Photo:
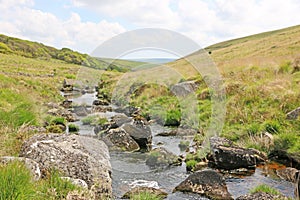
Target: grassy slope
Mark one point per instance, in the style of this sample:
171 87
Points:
260 86
15 46
26 85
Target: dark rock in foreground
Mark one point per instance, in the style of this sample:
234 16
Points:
261 196
227 156
207 183
76 156
139 190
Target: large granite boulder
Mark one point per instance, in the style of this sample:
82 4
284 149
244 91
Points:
75 156
226 155
140 133
261 196
207 183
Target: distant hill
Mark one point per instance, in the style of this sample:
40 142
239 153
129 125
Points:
269 49
15 46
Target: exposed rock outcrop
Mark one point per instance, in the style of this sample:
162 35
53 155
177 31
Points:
207 183
75 156
225 155
183 89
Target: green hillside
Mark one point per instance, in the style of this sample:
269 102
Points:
28 49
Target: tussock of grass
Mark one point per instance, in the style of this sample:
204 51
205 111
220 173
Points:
264 188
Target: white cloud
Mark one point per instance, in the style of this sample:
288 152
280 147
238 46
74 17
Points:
205 21
19 20
154 14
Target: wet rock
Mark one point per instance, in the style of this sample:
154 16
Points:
140 133
138 190
102 109
70 117
81 111
261 196
294 114
76 156
52 105
119 120
118 139
285 158
128 110
100 129
33 166
288 174
207 183
101 102
66 103
179 132
183 89
186 131
160 157
168 133
227 156
66 87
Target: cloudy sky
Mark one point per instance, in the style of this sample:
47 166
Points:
84 24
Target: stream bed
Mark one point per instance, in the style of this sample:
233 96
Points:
130 169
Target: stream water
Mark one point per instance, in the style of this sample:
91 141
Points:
130 169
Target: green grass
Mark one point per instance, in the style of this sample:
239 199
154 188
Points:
94 120
73 128
264 188
17 184
145 196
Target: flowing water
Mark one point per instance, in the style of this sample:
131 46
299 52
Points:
130 169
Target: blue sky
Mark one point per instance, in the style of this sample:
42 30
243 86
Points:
84 24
